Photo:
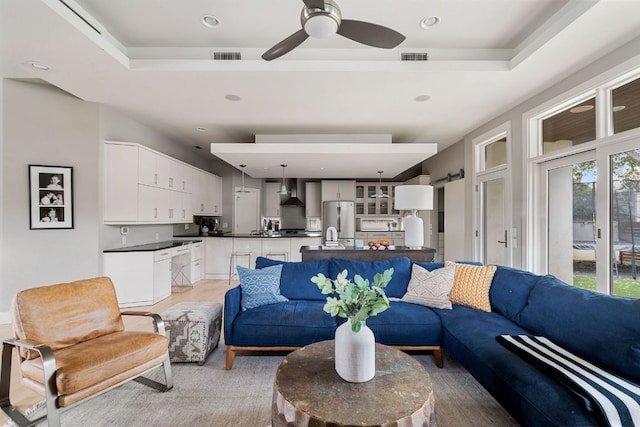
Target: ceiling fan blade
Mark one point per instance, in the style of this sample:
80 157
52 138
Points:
317 4
370 34
285 46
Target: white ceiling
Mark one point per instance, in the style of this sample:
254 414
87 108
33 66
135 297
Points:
152 61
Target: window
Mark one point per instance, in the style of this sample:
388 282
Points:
570 127
625 101
495 153
585 188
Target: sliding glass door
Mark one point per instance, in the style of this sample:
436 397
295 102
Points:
592 218
624 182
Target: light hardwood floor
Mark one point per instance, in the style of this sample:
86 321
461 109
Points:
204 290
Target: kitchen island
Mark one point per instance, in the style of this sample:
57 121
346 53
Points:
313 253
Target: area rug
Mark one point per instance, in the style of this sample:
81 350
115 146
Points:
209 395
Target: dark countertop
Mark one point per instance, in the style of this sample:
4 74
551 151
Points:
157 246
313 253
364 249
259 236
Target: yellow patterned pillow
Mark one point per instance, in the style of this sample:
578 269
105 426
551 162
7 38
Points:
471 285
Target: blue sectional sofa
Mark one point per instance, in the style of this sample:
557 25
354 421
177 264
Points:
601 328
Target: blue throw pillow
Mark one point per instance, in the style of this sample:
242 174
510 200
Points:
396 288
260 287
295 280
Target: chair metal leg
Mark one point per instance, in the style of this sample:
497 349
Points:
51 392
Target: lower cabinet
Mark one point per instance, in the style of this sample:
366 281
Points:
145 277
217 251
395 238
297 242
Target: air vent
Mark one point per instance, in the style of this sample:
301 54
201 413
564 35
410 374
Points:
226 56
414 56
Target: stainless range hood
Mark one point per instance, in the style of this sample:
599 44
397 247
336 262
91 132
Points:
293 200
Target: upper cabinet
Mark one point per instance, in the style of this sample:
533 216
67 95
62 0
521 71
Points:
207 193
142 186
158 170
338 190
370 200
271 199
313 201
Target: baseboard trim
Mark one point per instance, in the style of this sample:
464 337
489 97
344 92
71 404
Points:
5 317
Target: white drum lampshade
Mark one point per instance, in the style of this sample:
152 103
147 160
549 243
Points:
413 198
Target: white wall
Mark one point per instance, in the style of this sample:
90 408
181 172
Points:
46 126
514 114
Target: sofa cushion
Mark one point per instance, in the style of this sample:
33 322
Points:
292 323
471 285
531 397
406 324
510 290
430 288
601 328
295 281
260 287
397 287
435 265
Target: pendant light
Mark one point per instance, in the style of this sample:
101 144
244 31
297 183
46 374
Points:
242 189
380 194
283 187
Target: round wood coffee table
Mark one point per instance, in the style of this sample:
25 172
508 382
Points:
309 392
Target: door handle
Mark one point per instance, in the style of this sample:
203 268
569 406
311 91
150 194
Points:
505 239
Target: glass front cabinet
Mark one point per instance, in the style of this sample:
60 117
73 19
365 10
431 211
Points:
371 200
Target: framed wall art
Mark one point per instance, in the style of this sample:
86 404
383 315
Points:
50 197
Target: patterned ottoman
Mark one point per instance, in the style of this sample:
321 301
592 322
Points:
193 329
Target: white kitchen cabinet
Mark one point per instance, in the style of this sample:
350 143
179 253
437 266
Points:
276 248
397 238
338 190
251 245
206 194
216 185
197 250
162 274
145 277
143 186
313 201
296 243
120 178
271 200
217 252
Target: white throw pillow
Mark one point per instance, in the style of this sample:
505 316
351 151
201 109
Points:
430 288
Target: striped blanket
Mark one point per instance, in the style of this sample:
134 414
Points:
617 398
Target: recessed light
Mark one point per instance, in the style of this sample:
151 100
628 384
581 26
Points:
581 108
429 22
422 98
232 97
210 21
201 129
619 108
197 147
39 66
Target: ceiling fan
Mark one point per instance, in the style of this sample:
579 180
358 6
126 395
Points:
322 18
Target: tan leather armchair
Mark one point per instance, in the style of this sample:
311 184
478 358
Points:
72 344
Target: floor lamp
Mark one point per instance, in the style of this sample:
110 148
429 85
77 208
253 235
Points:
413 198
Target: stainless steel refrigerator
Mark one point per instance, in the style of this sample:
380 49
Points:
342 216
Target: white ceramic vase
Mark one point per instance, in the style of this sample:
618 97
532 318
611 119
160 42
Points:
355 353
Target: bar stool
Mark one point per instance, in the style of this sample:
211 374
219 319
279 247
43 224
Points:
284 255
233 259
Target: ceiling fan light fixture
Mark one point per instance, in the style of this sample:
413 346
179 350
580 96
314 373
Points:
321 23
